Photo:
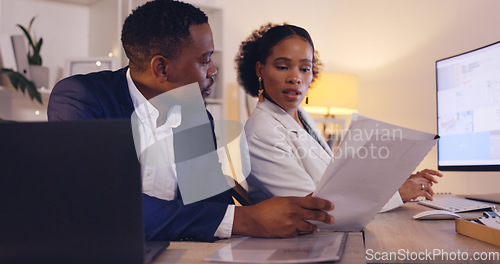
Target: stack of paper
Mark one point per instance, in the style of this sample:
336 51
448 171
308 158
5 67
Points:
372 161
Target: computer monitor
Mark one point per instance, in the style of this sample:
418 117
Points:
468 110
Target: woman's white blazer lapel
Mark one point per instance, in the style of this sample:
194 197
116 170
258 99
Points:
303 142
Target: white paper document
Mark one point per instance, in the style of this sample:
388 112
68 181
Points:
319 247
372 161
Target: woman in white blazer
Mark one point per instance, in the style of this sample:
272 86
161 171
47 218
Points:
288 154
285 159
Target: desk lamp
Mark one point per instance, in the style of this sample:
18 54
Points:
332 95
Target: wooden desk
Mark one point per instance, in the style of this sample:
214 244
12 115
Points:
393 232
396 231
196 252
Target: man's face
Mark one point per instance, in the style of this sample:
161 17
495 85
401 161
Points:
194 63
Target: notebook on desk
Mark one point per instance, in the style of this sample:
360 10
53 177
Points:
311 248
70 192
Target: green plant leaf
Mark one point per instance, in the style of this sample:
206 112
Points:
28 36
35 94
35 46
31 22
19 82
22 85
38 45
36 58
13 80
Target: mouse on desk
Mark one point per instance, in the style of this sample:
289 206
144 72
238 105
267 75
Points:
436 215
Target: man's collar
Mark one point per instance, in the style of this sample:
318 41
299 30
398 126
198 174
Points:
142 106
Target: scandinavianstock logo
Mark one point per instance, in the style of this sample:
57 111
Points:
355 144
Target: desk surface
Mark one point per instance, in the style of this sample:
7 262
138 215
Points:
393 231
196 252
396 231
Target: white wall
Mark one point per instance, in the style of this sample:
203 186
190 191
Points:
63 27
391 45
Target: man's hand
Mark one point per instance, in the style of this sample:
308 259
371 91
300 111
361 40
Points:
419 184
281 217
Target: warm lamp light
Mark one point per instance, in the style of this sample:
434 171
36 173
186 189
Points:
333 94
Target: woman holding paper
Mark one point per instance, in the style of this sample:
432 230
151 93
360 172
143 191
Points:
277 63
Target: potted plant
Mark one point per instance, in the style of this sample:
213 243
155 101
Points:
39 74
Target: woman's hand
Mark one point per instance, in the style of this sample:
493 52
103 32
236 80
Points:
419 184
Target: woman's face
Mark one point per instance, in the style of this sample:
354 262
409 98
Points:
287 72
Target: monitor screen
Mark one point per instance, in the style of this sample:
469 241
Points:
468 110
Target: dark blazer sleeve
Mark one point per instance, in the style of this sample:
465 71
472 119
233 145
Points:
99 95
172 220
71 100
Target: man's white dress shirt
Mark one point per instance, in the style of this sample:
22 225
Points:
159 177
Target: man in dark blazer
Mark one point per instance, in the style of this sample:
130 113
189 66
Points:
169 45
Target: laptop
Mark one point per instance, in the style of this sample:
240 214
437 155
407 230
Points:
490 197
70 192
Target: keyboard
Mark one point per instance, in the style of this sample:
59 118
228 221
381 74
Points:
456 204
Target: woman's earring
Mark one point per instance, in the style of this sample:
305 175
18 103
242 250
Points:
307 99
261 91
